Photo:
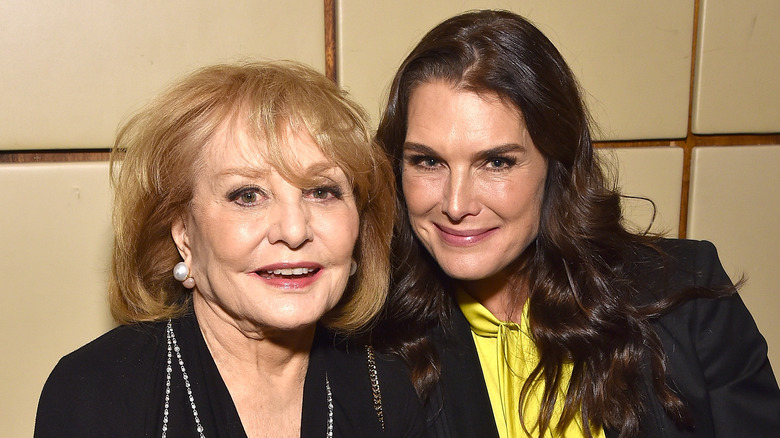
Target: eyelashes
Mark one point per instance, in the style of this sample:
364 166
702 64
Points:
501 162
325 192
248 196
422 161
491 163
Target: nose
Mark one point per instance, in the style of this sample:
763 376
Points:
459 197
289 223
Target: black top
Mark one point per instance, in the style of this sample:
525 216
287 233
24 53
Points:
115 387
716 357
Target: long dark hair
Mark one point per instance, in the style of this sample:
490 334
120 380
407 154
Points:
579 271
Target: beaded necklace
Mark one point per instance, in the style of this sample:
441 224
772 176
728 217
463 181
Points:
173 347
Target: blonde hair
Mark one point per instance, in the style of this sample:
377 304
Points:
157 153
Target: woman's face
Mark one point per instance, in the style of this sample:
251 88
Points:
472 178
265 254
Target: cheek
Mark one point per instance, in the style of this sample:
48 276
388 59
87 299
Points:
420 194
521 202
222 239
339 230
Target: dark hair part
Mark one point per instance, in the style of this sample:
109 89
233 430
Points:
578 272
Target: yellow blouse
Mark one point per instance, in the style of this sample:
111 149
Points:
508 355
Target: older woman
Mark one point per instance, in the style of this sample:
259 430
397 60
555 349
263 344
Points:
252 226
520 301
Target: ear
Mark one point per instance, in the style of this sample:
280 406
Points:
181 238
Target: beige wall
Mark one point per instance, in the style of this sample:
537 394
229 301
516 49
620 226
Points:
72 71
737 65
55 236
632 58
643 174
735 204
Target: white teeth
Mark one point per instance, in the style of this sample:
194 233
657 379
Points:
291 271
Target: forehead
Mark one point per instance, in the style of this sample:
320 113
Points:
439 112
234 144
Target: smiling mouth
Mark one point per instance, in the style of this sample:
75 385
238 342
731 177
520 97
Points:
464 237
289 273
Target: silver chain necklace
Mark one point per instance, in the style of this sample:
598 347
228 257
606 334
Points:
173 347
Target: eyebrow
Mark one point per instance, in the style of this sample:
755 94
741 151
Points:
481 155
315 170
246 172
418 148
500 150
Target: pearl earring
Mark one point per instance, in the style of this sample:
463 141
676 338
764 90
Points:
352 268
181 272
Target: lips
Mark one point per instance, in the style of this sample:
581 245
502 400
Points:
457 237
288 272
289 275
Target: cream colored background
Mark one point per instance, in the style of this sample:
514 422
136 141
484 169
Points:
735 204
737 67
653 173
632 58
56 241
70 72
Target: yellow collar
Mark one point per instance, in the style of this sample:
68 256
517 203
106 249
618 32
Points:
482 322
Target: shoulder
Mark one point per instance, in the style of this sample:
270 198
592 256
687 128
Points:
94 383
694 257
673 266
715 354
689 265
116 352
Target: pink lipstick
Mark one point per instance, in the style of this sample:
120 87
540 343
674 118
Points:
289 275
464 237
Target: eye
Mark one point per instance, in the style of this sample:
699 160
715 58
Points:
423 161
325 193
499 163
246 196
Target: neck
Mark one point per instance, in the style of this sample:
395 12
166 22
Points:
263 369
502 295
242 344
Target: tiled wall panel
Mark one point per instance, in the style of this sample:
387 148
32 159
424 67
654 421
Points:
632 58
71 71
652 173
55 242
737 80
735 203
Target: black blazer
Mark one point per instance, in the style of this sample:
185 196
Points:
114 387
717 360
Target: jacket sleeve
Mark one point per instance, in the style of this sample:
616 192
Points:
58 413
743 391
74 403
109 387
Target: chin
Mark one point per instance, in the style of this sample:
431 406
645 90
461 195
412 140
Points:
292 325
297 319
466 273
